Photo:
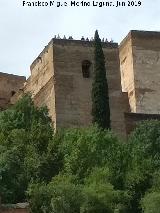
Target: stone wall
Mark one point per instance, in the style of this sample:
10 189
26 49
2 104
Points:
15 208
41 82
133 119
127 71
9 85
73 91
146 57
56 81
140 71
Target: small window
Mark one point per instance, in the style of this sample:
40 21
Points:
12 93
86 68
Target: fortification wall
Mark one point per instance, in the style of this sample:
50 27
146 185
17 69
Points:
57 81
127 71
132 120
73 91
140 71
9 85
41 82
146 60
14 208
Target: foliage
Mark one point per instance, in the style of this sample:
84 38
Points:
81 170
151 200
26 149
61 195
100 98
151 203
64 194
100 195
84 149
144 149
39 197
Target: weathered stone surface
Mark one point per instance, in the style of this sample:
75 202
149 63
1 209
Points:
9 85
133 119
73 92
127 71
57 81
140 71
15 208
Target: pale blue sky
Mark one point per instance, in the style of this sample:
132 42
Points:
25 31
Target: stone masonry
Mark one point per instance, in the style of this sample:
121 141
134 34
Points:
9 85
57 80
140 71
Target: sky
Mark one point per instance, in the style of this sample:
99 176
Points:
25 31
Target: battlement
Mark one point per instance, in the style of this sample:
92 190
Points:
71 43
136 35
11 76
145 34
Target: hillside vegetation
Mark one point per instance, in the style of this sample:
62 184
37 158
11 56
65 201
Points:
85 170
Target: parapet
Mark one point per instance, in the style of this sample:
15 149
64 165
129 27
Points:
140 34
71 42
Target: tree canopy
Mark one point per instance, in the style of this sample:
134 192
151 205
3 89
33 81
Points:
80 170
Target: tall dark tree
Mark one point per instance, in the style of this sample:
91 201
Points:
100 98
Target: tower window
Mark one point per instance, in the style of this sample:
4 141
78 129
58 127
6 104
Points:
86 68
12 93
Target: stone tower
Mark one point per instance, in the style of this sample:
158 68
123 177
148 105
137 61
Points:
140 76
61 78
140 71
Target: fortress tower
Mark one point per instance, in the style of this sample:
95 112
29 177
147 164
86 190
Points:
140 71
61 78
140 75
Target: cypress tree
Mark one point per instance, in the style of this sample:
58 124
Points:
100 98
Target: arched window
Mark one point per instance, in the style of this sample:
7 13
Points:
86 68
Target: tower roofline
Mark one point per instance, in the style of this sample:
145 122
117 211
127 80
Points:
11 75
140 34
82 43
71 42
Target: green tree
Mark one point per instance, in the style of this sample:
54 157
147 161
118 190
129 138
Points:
151 202
100 97
99 194
28 151
86 148
144 161
64 194
61 195
39 197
